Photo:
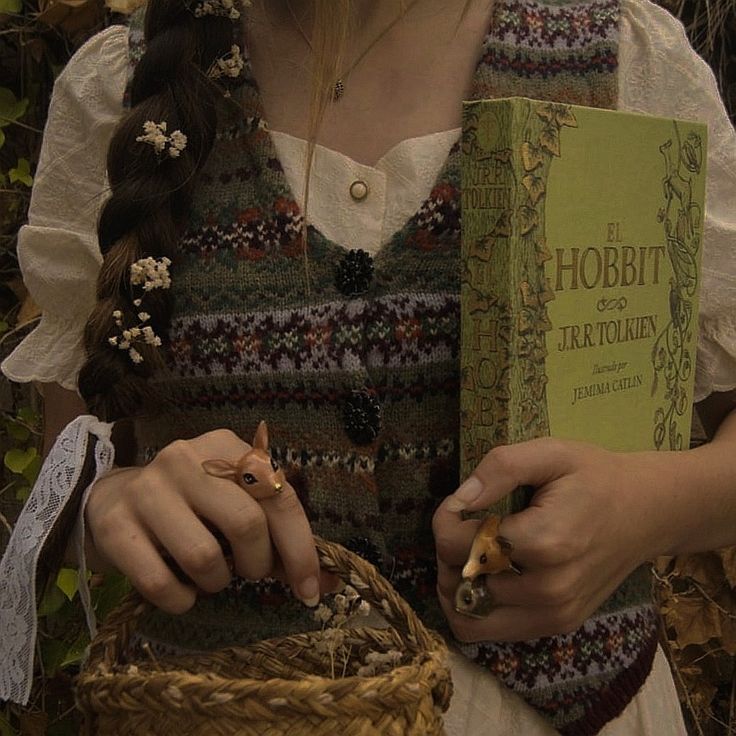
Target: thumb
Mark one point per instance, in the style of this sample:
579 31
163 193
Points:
504 468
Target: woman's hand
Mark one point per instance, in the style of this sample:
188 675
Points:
138 516
594 518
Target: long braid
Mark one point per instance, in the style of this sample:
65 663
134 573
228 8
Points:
150 196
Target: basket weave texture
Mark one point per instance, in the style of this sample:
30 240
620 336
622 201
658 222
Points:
277 687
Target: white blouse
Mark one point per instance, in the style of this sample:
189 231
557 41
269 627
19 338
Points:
659 74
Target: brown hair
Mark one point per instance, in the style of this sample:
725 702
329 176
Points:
149 200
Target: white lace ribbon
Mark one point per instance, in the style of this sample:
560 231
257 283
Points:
57 480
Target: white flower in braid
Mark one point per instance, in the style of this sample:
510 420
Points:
155 135
225 8
230 65
148 273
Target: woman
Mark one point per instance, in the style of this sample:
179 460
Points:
261 319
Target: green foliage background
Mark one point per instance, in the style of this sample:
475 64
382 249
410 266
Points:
37 38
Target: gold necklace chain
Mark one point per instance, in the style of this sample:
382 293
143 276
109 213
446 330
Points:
339 85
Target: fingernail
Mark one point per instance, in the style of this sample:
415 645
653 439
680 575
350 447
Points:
465 495
309 591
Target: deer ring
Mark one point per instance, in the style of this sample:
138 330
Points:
490 554
255 471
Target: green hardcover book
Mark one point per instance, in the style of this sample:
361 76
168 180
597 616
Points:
581 238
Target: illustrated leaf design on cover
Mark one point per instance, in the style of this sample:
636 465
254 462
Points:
549 138
531 156
502 155
535 186
543 252
479 302
502 227
481 248
558 115
528 219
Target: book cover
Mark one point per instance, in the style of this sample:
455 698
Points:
581 250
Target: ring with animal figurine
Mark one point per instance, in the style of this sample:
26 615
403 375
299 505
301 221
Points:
490 554
255 471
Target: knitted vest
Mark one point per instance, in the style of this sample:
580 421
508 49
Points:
358 375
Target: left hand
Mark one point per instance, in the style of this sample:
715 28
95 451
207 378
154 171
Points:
594 518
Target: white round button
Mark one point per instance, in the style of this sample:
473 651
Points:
358 190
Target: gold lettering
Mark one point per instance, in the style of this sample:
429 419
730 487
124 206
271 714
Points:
610 267
583 270
628 269
484 334
572 268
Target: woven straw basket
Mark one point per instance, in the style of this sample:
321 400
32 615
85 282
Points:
275 687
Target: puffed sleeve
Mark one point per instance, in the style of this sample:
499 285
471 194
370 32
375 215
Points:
660 74
58 249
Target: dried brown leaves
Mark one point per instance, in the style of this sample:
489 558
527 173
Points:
697 595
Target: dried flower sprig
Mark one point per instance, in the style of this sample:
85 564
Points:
223 8
140 333
151 273
155 135
148 273
345 605
230 65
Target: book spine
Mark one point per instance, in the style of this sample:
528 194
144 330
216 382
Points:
507 148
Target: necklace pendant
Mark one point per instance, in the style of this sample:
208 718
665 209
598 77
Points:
339 90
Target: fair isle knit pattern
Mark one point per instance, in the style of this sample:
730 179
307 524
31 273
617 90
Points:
360 384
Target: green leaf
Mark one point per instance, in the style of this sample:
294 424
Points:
11 6
51 602
22 172
18 460
31 471
28 416
2 141
68 582
11 108
22 493
75 653
53 652
18 432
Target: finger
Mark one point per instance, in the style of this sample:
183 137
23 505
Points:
452 535
292 536
541 538
553 587
188 541
223 503
219 443
328 582
241 520
512 623
506 467
448 578
135 555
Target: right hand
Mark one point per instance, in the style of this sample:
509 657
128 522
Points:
138 516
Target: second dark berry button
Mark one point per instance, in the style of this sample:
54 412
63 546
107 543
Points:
362 417
354 273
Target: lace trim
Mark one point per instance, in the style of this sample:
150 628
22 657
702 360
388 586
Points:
54 488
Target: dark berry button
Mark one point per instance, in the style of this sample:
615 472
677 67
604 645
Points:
354 273
362 417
